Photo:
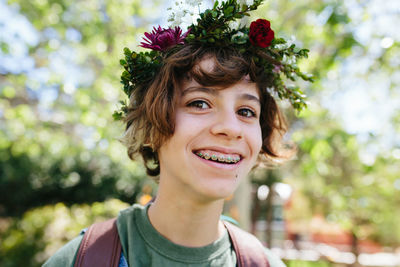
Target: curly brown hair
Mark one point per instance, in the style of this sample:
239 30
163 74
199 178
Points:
150 119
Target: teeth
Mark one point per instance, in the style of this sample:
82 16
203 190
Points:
219 158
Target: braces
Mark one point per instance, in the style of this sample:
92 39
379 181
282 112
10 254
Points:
220 158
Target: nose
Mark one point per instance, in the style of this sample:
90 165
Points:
227 125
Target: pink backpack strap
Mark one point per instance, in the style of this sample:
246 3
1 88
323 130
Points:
100 246
249 250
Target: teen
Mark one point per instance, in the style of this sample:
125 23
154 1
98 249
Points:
201 115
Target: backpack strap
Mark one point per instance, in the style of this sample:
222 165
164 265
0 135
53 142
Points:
249 250
100 246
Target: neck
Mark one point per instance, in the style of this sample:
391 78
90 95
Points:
185 221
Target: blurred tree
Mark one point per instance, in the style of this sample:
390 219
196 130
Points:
340 154
345 187
59 85
268 178
26 183
32 239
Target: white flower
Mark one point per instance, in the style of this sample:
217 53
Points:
291 41
193 3
288 61
249 2
195 16
179 14
271 91
239 38
233 25
237 35
176 22
286 45
281 46
184 13
285 59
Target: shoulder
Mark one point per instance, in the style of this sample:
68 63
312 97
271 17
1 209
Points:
127 217
65 256
250 248
131 211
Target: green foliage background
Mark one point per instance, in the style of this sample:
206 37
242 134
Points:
59 150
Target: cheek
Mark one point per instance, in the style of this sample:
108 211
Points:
190 125
186 132
256 140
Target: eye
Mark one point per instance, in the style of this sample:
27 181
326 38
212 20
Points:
200 104
245 112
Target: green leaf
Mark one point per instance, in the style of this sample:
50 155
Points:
228 11
215 5
117 115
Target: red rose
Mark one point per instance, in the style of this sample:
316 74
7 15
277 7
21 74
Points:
261 33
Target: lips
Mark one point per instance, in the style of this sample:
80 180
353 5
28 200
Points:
227 158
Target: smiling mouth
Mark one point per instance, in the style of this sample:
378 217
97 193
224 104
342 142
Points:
220 158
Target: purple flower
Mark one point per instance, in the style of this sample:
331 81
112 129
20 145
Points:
277 68
161 39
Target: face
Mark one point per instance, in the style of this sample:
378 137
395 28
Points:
216 141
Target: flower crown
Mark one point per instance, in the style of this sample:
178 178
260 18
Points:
219 26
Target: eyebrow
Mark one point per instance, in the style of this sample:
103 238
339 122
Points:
251 98
214 91
208 90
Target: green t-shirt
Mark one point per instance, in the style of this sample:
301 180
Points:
142 245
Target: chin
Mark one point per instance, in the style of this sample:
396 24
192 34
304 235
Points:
217 189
